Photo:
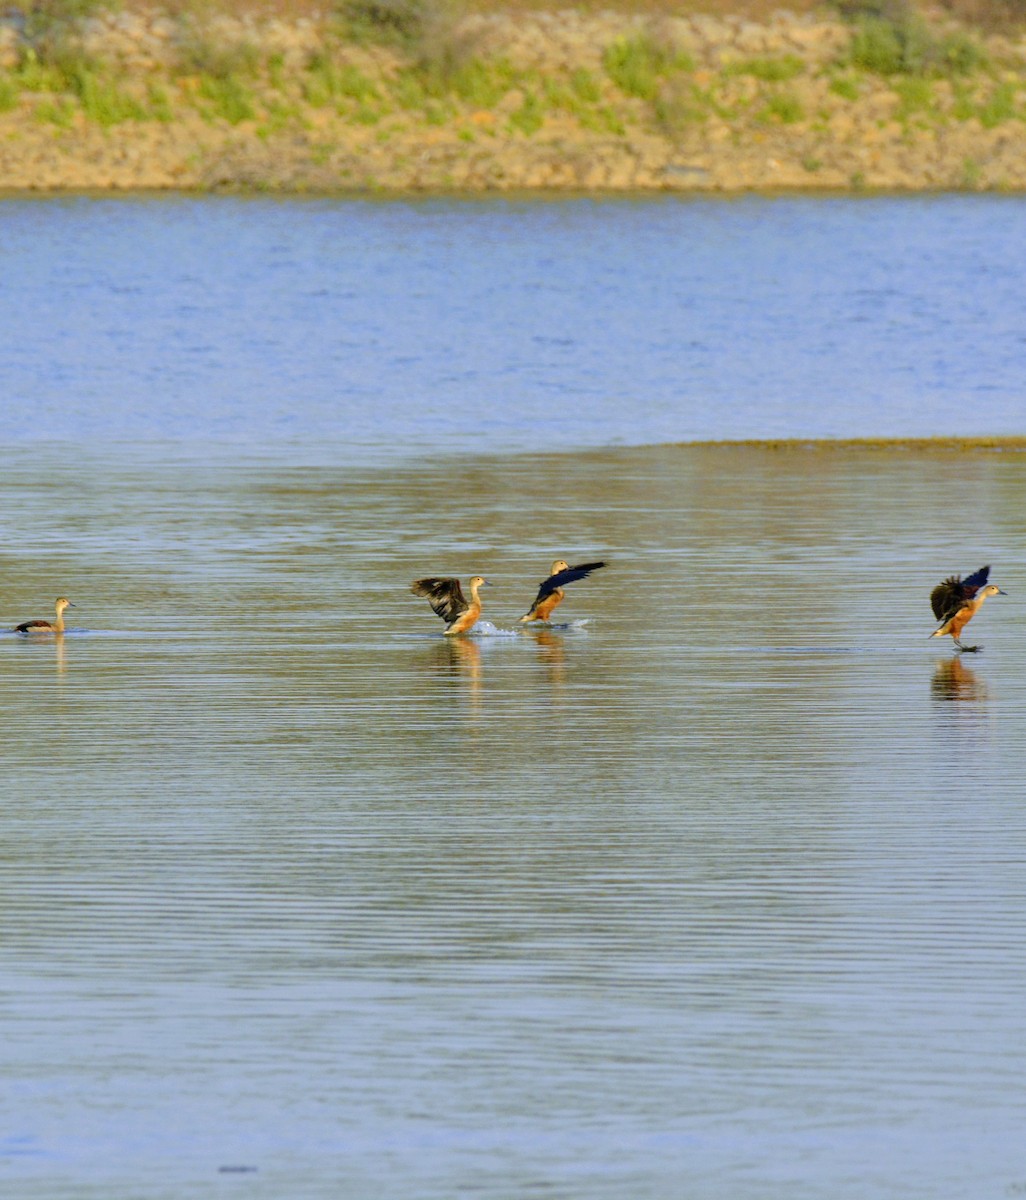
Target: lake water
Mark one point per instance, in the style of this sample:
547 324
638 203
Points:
720 894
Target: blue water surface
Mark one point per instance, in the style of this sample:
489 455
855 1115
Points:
342 327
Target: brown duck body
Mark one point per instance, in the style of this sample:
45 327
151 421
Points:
955 601
550 594
55 626
447 600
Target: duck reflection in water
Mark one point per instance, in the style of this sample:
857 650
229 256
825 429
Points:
953 680
461 655
551 652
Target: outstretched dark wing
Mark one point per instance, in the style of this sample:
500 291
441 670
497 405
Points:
564 577
972 583
444 595
949 595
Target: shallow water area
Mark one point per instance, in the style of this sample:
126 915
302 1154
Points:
724 886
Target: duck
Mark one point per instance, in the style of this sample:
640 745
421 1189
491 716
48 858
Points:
550 594
955 601
447 599
56 626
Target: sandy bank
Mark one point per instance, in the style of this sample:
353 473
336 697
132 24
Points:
553 101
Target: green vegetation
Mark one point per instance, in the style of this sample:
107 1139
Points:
1000 105
783 107
530 116
8 94
639 65
901 42
104 102
382 70
327 82
56 112
158 103
391 22
480 84
228 99
846 87
769 70
916 95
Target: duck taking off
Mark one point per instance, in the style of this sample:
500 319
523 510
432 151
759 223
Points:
446 597
955 601
47 626
551 591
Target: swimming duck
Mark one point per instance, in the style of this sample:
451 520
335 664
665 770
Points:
47 626
955 601
551 591
446 598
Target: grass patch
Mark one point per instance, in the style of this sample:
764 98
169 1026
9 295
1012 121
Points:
57 112
769 70
364 114
408 90
999 106
845 87
159 103
915 96
327 82
638 65
482 84
279 116
530 116
56 74
104 102
602 119
277 76
784 107
585 86
437 113
963 106
228 99
8 94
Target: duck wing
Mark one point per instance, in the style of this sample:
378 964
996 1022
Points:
444 595
950 594
563 577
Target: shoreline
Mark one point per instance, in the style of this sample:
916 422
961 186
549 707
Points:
557 103
947 442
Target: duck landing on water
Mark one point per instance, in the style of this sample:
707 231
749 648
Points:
47 626
446 598
551 591
955 601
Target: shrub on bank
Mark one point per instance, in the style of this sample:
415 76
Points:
899 41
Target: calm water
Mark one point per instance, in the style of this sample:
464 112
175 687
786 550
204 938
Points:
719 894
369 327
